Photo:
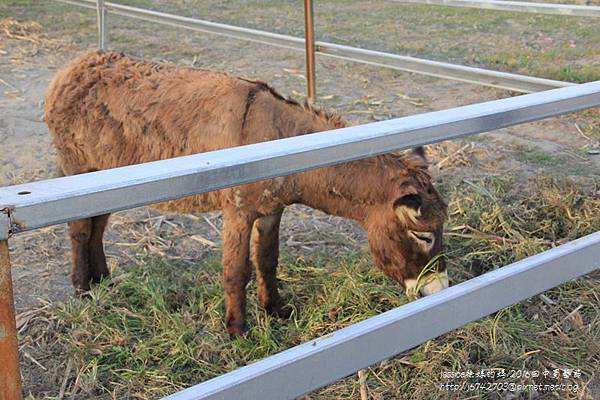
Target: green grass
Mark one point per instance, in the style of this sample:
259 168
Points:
579 73
538 158
560 164
498 220
157 326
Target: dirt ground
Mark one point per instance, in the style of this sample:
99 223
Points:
30 54
31 51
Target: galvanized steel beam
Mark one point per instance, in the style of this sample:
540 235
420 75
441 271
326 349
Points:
479 76
4 224
37 204
101 22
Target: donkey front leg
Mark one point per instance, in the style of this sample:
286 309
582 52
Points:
87 252
265 256
80 232
237 228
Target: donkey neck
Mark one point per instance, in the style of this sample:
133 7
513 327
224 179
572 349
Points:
346 190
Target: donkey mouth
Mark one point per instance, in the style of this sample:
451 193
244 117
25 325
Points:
429 284
439 282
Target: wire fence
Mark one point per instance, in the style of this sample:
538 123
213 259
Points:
480 76
324 360
573 10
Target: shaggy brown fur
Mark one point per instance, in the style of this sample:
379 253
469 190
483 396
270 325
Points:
106 110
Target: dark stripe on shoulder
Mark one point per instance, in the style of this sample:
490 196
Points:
254 90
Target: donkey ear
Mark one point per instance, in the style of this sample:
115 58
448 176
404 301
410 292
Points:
411 200
420 152
408 207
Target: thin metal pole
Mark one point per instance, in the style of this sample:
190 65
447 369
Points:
10 375
101 16
309 35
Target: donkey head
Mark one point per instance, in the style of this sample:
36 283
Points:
405 231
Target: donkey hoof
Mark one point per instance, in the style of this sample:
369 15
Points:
102 277
82 292
279 310
284 312
236 329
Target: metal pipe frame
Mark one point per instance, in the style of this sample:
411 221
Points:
309 35
10 375
480 76
314 364
462 73
516 6
38 204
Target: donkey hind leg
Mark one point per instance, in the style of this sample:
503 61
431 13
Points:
237 228
265 257
87 253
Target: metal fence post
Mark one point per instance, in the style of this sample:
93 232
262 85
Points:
309 36
101 16
10 375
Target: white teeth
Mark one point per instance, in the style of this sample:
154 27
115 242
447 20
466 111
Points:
410 285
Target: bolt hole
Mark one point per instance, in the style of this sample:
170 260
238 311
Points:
23 193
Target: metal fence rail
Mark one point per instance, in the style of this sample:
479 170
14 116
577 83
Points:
319 362
504 80
33 205
37 204
312 365
517 6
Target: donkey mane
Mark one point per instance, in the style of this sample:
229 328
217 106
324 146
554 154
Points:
330 117
413 164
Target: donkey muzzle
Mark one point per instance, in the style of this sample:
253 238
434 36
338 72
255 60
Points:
428 284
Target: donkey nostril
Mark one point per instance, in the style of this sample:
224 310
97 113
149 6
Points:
426 237
423 238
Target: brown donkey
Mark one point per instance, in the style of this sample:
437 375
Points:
106 110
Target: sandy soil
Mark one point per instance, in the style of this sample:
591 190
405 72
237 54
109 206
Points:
29 58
